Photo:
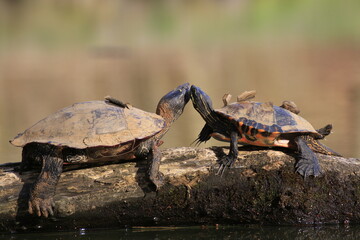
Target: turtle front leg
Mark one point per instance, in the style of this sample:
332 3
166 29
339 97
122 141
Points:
308 163
43 190
156 177
228 160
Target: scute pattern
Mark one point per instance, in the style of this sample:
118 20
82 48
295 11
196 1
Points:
90 124
266 117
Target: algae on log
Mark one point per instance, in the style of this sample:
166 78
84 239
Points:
262 187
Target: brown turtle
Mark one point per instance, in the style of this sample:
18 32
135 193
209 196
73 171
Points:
260 124
96 131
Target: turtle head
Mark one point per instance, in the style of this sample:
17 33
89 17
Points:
171 106
202 102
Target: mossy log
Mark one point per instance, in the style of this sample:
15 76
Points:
262 187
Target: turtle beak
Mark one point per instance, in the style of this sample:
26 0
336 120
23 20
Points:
175 100
182 92
180 95
201 101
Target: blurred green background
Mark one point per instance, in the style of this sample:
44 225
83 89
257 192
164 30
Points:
55 53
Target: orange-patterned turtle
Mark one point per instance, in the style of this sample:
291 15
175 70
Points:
260 124
96 131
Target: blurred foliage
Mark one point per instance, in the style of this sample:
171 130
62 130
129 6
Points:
302 50
57 23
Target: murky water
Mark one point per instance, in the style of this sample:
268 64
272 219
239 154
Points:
221 232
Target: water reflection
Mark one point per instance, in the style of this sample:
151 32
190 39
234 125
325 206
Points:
222 232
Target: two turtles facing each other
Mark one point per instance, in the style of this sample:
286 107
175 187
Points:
108 130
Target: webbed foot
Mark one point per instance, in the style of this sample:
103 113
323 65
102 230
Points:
41 206
307 168
41 195
308 163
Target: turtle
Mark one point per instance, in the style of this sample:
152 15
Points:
95 131
261 124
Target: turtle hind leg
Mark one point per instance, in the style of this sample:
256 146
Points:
43 190
308 163
228 160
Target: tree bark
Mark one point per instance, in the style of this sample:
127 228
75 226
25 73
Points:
262 187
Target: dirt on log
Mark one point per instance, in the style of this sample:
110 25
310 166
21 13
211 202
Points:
262 187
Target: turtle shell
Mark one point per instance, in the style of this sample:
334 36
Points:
92 124
263 124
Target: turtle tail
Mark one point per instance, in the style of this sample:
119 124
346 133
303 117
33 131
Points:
318 147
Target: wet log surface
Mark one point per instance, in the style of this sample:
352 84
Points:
262 187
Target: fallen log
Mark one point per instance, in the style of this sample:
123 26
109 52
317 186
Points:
262 187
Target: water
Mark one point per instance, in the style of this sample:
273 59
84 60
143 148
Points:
221 232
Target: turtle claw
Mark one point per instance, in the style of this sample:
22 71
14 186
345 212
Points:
158 181
41 207
221 170
307 169
225 162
